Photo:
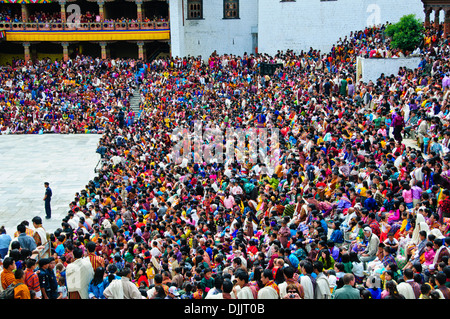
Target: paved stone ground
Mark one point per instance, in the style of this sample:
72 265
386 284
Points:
67 162
410 143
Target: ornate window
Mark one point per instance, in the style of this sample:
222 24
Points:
195 9
231 9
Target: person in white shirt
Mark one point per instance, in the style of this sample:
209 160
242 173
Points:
155 252
40 235
406 290
323 290
79 274
226 291
243 290
270 289
216 292
305 280
291 278
123 288
236 189
398 161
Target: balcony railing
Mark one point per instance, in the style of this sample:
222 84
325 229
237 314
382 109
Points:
94 26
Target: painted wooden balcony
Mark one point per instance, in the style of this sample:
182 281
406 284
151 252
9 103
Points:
92 31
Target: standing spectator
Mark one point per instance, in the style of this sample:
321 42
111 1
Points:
79 274
347 291
398 123
31 279
123 288
5 241
40 235
322 290
307 280
47 291
62 289
47 199
96 261
98 284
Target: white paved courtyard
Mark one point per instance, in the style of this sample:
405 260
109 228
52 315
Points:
67 162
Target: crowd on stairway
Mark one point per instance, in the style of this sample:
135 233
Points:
82 95
356 205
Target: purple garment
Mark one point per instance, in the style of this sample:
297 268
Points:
335 253
416 192
344 204
445 82
395 217
351 90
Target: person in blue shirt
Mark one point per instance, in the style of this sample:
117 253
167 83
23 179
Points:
60 249
112 274
26 242
373 284
323 223
119 221
337 236
97 284
292 140
119 262
423 63
261 119
293 230
293 259
5 240
436 147
370 203
436 106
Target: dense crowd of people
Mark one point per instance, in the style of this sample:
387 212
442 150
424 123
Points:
80 96
348 212
9 15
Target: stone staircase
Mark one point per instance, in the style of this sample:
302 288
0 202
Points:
135 102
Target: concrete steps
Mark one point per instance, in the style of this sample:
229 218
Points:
135 102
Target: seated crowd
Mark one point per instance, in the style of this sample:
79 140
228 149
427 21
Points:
356 206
